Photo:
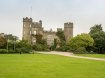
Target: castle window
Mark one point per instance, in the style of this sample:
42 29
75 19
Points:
34 33
30 25
34 41
50 40
30 32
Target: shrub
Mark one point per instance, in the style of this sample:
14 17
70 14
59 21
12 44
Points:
11 51
3 51
80 50
40 47
18 50
25 50
37 47
58 49
63 48
82 40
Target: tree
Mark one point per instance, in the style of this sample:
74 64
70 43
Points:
23 43
2 41
83 40
41 44
23 46
95 28
98 35
61 35
99 39
53 47
11 37
38 38
8 42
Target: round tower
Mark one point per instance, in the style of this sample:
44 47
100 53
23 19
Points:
27 22
68 30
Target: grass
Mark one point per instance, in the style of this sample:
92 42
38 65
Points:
49 66
92 55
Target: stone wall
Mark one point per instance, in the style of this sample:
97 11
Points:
30 29
68 30
49 36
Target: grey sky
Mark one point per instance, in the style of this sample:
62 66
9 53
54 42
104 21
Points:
53 13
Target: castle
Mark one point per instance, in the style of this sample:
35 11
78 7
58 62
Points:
31 28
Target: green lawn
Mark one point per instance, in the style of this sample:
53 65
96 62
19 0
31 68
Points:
49 66
92 55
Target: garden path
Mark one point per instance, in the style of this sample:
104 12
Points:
72 55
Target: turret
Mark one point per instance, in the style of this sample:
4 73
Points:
27 19
40 23
68 30
27 23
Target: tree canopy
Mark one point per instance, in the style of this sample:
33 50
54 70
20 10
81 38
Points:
83 40
2 41
96 28
98 35
61 36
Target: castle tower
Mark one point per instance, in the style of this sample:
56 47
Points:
27 22
68 30
40 22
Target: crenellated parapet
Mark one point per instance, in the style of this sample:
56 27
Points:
40 22
31 28
26 19
68 24
68 30
50 32
59 29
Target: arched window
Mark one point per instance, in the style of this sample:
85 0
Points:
30 25
34 33
30 32
34 41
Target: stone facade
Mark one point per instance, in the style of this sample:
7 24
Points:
31 28
68 30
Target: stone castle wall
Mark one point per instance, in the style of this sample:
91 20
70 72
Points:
68 30
31 28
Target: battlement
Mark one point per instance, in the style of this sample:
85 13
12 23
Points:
40 21
59 29
68 25
50 32
27 19
30 27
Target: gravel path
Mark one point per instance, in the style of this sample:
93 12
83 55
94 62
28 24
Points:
68 54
